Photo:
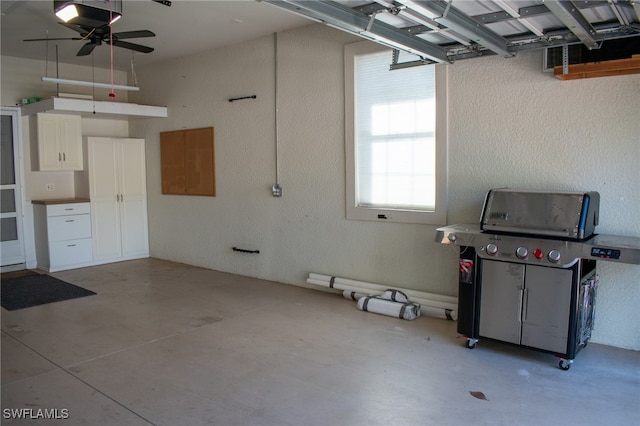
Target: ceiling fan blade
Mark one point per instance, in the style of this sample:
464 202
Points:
86 49
132 46
52 39
133 34
165 2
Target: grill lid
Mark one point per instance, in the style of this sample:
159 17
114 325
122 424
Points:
571 215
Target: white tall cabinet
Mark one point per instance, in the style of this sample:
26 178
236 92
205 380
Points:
118 193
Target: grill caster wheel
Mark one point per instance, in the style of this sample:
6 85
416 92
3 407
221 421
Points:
565 364
471 343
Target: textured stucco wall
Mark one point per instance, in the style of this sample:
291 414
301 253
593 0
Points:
510 125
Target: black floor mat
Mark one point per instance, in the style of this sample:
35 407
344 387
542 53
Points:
34 290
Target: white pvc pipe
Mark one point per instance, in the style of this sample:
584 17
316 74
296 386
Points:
418 296
381 288
369 292
439 312
439 307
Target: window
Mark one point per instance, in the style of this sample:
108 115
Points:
396 139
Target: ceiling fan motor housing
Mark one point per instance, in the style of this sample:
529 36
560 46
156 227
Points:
90 13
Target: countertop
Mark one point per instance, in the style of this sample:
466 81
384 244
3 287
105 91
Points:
61 201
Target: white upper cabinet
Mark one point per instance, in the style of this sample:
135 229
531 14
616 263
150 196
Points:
59 142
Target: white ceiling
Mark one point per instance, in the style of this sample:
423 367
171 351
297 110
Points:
185 28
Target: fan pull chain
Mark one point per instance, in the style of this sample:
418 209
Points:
93 80
112 94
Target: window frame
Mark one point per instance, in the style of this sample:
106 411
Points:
353 211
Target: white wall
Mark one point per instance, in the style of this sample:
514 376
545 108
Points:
510 125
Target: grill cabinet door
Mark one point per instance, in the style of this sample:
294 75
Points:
501 300
547 305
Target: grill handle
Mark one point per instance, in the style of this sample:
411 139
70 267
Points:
520 305
525 303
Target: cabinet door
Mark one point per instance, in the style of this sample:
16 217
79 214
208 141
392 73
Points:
70 141
72 227
546 308
103 188
70 252
49 153
501 300
133 197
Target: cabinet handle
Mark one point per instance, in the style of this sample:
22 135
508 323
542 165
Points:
64 157
520 305
59 157
525 302
71 245
70 220
70 209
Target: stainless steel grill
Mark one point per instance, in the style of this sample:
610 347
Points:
528 269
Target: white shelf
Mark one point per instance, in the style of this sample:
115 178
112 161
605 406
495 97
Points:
90 108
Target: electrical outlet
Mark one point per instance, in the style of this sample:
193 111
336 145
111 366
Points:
49 187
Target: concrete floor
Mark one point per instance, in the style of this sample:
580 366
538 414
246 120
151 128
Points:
169 344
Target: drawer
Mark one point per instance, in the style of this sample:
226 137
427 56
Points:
62 228
69 208
70 252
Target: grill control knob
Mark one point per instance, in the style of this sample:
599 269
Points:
492 249
522 252
554 256
452 237
538 254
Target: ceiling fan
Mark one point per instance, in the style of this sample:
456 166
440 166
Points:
102 34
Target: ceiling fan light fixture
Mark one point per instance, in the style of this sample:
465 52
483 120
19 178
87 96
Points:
89 13
67 12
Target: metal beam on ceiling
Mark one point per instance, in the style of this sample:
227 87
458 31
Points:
398 9
355 22
516 15
440 17
569 14
619 13
636 7
442 12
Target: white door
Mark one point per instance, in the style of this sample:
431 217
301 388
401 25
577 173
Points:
70 130
11 231
133 198
117 181
105 197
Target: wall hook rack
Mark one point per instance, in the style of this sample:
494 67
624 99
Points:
245 251
243 97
